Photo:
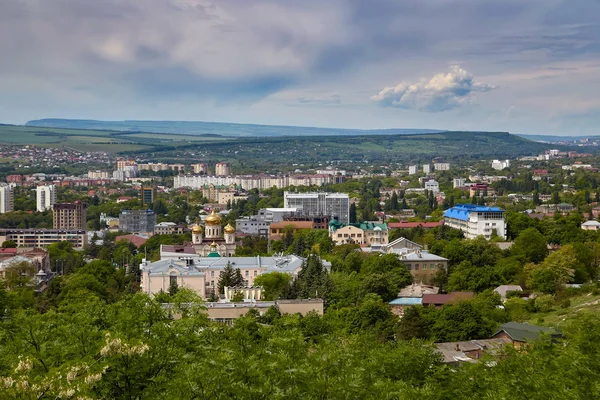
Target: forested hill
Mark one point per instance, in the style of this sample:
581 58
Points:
220 128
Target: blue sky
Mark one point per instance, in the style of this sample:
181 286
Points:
503 65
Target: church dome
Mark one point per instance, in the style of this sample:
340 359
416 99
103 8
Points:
229 229
196 229
213 219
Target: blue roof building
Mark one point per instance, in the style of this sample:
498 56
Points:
475 220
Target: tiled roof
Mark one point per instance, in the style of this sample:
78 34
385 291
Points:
525 332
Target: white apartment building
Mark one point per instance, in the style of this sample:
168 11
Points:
200 168
248 182
441 166
334 205
426 168
476 221
98 174
46 197
413 169
458 182
500 164
222 169
6 198
432 185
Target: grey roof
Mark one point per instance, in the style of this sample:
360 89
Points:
454 352
525 332
502 289
422 255
591 223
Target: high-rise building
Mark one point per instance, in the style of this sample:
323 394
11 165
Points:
222 169
6 198
46 197
137 221
333 205
147 195
70 215
412 169
200 168
426 168
441 166
476 221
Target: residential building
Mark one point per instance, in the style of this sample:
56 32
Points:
124 163
202 274
227 312
591 225
136 240
408 225
230 197
16 179
6 198
413 169
46 197
222 169
426 168
215 238
137 221
362 233
259 224
458 182
520 334
43 237
277 229
98 174
476 221
333 205
422 264
432 185
200 168
168 228
248 182
69 215
441 166
500 164
481 189
146 195
455 353
502 290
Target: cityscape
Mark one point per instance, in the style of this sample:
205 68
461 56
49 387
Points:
344 200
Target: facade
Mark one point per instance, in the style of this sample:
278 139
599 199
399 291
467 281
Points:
333 205
441 166
364 233
458 182
69 215
202 274
168 228
476 221
6 199
227 312
426 168
500 164
481 189
222 169
146 195
215 238
591 225
277 229
43 237
423 265
200 168
413 169
248 182
432 185
46 197
259 224
98 174
137 221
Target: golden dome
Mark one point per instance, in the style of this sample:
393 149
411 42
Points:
196 229
229 229
213 219
213 244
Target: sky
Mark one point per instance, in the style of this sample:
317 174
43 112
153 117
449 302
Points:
523 66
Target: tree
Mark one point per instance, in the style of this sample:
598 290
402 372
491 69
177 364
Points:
237 297
273 284
530 246
352 215
414 324
9 244
227 278
552 274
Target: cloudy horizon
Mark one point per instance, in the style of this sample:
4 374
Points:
500 65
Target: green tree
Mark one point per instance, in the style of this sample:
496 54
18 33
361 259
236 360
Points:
273 284
227 278
530 246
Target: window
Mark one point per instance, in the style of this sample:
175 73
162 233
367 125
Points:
416 267
431 266
212 273
247 273
173 280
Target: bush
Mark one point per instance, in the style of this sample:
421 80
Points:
566 303
544 303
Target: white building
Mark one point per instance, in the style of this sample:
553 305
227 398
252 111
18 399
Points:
476 221
222 169
46 197
98 174
458 182
432 185
442 166
6 198
259 224
500 164
413 169
426 168
590 225
334 205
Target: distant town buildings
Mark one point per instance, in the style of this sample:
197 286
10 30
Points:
248 182
69 216
215 240
458 182
222 169
6 198
333 205
432 185
426 168
441 166
46 197
98 174
200 168
259 224
137 221
146 195
476 221
413 169
500 164
362 233
43 237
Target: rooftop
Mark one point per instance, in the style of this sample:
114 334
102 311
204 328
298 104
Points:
524 332
462 211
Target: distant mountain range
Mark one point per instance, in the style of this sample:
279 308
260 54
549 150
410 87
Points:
220 128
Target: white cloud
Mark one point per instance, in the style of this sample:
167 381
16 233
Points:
441 93
332 99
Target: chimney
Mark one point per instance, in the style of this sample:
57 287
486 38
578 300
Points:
457 347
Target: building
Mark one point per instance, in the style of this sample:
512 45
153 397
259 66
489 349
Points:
6 198
200 168
440 300
500 164
458 182
43 237
123 163
455 353
69 215
137 221
481 189
226 312
46 197
432 185
332 205
277 229
17 179
168 228
136 240
259 224
413 169
423 265
441 166
215 238
591 225
520 334
97 174
202 274
409 225
363 233
426 168
146 195
222 169
476 221
230 197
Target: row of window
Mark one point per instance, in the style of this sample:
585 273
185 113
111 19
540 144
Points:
415 267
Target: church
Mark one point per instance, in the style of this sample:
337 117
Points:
215 239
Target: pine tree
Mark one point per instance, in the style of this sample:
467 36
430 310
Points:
238 279
213 296
394 202
352 213
226 278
